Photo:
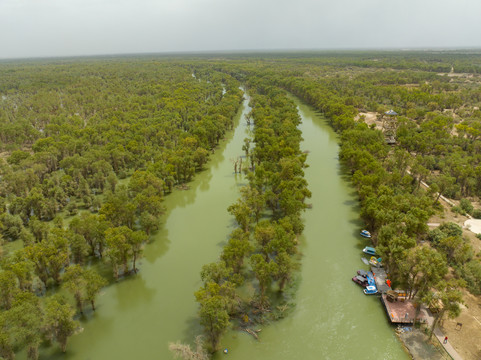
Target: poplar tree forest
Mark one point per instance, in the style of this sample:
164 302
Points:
89 148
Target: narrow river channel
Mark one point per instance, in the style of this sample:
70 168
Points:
137 317
333 319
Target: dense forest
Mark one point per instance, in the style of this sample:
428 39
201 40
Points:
89 151
90 147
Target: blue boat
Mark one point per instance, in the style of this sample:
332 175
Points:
369 250
366 234
370 279
370 290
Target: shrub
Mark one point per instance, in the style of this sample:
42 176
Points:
11 226
458 210
436 235
466 205
17 156
72 208
477 214
451 229
471 272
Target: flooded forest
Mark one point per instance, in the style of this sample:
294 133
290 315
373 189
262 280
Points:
200 207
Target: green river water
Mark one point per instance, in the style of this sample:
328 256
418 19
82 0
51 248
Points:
137 317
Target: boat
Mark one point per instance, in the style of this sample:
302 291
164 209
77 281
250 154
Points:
366 234
375 262
365 261
369 250
360 280
362 273
370 290
370 279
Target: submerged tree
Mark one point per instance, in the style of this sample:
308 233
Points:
59 322
84 284
95 282
27 319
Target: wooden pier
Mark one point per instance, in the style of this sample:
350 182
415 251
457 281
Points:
401 312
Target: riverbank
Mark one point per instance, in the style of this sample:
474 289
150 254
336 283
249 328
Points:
418 345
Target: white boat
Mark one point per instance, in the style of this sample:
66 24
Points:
370 290
369 250
366 234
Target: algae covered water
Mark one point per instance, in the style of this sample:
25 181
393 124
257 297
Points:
137 317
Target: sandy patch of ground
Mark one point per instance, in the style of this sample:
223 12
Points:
473 225
448 216
457 75
370 118
466 338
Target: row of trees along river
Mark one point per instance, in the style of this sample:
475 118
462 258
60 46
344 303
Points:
90 148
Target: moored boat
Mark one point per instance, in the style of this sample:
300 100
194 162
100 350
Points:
370 290
369 250
375 262
362 273
360 280
365 233
370 279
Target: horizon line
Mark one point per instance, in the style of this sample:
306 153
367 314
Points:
247 52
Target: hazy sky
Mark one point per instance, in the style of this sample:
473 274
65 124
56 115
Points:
31 28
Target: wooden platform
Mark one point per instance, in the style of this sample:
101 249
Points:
401 312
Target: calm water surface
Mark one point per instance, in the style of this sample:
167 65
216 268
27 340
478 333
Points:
137 317
333 319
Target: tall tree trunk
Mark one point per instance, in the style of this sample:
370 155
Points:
32 352
63 343
78 300
282 283
133 265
